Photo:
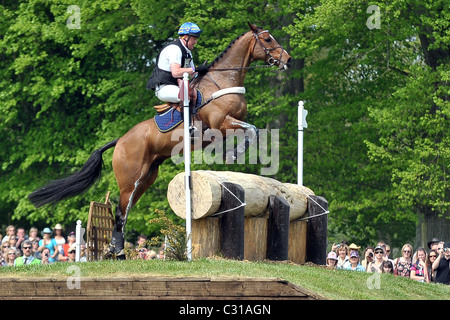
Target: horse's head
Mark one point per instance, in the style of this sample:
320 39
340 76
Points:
266 48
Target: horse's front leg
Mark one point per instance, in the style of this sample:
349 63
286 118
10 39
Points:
246 133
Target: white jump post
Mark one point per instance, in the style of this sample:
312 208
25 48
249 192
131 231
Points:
187 163
302 113
79 240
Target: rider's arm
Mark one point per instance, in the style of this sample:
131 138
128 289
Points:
177 70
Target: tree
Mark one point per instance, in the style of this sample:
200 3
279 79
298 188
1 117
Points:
414 127
355 75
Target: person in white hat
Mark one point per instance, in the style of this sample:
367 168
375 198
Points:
332 260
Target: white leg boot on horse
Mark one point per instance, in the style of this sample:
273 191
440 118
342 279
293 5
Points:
247 136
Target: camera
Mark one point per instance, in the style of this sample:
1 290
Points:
46 255
371 254
338 246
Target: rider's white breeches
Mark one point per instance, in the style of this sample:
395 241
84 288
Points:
168 93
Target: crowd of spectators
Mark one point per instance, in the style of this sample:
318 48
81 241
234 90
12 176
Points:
19 248
421 265
433 265
50 246
146 253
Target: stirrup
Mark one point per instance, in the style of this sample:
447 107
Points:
193 134
192 130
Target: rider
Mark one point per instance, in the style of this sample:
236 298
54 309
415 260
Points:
174 60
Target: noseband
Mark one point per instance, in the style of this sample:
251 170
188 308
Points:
268 51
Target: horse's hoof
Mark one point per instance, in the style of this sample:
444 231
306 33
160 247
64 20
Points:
121 255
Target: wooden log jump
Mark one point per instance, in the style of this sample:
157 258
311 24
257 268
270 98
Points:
244 216
207 196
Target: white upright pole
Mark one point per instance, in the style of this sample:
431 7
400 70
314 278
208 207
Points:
78 237
187 164
301 124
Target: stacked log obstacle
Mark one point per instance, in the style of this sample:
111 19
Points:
245 216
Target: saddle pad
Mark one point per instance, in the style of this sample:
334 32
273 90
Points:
200 101
168 120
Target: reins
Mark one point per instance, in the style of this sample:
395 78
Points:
242 68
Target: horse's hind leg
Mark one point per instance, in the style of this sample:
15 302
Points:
130 193
122 210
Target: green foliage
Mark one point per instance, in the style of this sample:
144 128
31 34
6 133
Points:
414 141
172 235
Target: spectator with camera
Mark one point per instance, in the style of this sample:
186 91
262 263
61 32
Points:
45 256
440 246
442 265
376 264
368 256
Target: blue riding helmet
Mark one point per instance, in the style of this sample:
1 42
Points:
190 29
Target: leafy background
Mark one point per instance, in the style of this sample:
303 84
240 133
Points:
377 142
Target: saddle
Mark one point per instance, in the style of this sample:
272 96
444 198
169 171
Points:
179 106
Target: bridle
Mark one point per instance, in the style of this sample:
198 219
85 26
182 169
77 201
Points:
271 60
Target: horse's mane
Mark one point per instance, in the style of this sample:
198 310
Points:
227 48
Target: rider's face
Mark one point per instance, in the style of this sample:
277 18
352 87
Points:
191 43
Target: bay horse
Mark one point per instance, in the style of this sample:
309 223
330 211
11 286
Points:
139 153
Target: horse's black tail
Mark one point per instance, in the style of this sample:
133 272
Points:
77 183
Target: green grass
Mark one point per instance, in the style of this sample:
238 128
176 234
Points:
331 284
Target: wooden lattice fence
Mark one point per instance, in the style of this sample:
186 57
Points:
99 228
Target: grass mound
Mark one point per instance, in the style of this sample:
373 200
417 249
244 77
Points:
331 284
